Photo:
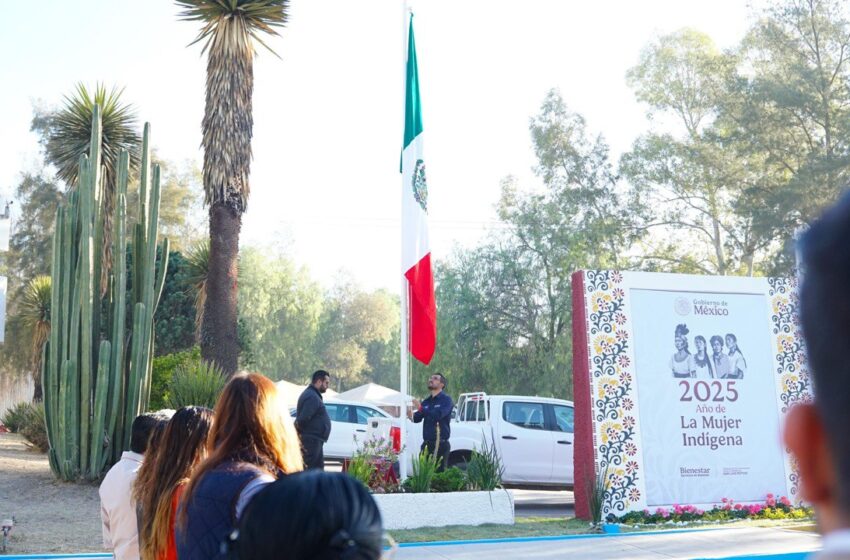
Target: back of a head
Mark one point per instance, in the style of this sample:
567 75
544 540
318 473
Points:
146 426
825 317
170 464
314 514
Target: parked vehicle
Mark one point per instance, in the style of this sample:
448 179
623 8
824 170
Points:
533 436
348 420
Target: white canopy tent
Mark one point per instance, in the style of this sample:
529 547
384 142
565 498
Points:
291 391
374 394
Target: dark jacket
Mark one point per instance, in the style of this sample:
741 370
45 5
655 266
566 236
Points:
211 513
435 411
311 418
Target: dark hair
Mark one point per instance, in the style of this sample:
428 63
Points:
319 375
144 427
737 348
682 331
169 464
717 338
443 380
313 514
824 313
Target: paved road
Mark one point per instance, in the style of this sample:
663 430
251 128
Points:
712 543
544 503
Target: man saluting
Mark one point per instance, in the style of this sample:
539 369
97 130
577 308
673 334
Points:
436 413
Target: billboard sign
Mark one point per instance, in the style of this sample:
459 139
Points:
681 385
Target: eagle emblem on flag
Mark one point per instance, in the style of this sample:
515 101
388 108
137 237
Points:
420 186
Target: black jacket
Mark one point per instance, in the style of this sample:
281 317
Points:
311 418
434 411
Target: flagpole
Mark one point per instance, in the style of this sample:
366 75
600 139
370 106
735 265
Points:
404 295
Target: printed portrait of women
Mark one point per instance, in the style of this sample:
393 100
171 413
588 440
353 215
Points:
682 362
719 359
702 360
737 363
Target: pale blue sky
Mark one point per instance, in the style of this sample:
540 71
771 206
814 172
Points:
328 114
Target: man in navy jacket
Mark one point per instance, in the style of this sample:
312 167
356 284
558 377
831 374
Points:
435 413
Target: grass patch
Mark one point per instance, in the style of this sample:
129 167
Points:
524 527
550 527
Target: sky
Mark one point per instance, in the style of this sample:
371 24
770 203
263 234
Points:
328 113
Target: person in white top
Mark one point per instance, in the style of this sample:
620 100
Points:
682 362
117 508
737 362
816 431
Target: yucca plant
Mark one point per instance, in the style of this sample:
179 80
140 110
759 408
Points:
422 469
484 469
196 384
230 30
597 490
69 135
199 267
35 315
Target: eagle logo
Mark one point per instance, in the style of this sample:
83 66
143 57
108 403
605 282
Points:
420 186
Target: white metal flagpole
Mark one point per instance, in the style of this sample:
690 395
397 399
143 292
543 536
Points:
404 353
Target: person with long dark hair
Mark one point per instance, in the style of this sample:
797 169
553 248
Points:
737 363
315 515
251 444
163 477
722 367
702 361
682 362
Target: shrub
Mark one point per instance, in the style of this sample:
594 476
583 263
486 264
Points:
379 455
164 368
485 469
197 383
450 480
34 429
15 416
596 494
422 469
361 469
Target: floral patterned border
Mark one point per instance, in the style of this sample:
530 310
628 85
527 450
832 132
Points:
791 369
612 391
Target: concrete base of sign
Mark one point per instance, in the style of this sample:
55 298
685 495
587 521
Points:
411 511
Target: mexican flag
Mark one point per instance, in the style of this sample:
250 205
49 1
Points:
416 250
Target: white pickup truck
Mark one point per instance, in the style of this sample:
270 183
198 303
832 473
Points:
533 436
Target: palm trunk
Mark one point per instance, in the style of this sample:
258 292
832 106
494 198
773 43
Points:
219 338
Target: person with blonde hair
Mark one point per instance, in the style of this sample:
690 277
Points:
163 477
251 444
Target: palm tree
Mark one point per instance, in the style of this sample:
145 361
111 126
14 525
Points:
230 30
35 315
69 136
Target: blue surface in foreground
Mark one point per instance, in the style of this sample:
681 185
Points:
784 556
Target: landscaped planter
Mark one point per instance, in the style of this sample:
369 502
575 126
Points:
411 511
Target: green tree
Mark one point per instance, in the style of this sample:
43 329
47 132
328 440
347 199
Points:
505 307
230 30
37 197
690 177
789 114
356 335
279 307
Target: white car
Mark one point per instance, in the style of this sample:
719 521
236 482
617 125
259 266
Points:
532 435
348 420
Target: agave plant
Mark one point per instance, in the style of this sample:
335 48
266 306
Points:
35 315
69 137
229 32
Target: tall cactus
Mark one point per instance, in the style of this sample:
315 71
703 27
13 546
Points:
92 391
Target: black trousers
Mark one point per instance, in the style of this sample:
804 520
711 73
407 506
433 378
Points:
442 452
312 449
